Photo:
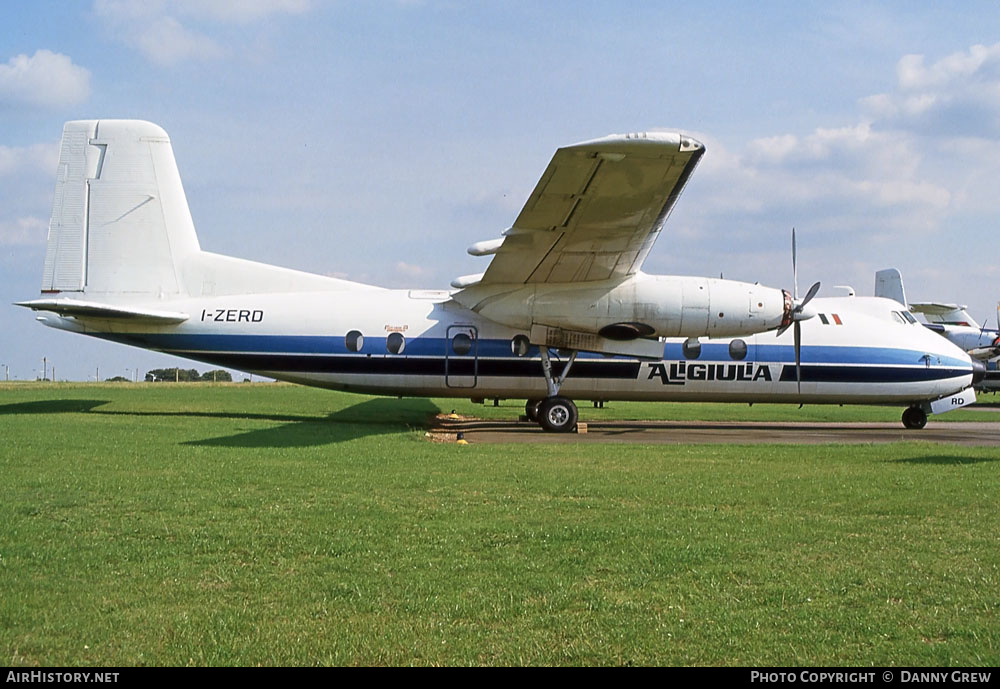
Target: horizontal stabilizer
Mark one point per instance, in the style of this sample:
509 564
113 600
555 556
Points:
89 309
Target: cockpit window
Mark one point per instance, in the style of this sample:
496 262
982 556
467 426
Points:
908 316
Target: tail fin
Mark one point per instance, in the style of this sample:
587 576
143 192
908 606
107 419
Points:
120 220
889 284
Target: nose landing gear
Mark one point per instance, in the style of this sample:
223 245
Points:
914 418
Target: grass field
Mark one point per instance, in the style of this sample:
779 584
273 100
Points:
280 525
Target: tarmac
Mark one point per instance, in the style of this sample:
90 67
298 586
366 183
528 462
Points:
728 432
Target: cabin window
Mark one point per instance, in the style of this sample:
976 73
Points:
520 345
738 350
692 348
395 343
354 341
461 344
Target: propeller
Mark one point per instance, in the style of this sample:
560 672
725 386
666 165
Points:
796 312
996 340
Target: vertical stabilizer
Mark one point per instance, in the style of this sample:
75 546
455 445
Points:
889 284
120 221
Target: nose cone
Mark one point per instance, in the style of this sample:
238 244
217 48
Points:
978 371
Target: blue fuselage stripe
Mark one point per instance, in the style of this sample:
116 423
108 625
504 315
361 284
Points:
426 356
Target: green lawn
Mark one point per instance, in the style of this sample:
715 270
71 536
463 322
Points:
273 524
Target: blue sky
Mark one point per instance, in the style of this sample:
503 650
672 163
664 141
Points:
375 140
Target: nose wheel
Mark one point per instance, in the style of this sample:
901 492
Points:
914 418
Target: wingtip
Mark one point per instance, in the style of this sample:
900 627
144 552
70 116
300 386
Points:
632 140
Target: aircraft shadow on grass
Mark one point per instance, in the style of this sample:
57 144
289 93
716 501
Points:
372 417
946 459
52 407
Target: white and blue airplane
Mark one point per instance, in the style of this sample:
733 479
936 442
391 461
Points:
563 312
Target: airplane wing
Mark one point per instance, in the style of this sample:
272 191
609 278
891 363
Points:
945 314
596 211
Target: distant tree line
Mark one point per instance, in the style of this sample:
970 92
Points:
170 375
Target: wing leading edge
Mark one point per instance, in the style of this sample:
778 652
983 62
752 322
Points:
596 211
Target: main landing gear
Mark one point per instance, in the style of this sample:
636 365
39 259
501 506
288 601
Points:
555 414
914 418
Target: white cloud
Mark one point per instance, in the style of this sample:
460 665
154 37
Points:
41 158
45 79
410 270
912 179
227 11
164 41
157 35
856 174
959 95
153 27
241 11
23 231
957 67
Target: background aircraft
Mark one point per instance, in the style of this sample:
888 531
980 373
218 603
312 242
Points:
953 322
563 311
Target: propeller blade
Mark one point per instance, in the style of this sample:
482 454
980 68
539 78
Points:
798 356
809 295
795 270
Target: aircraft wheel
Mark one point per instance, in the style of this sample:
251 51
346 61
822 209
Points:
557 414
914 418
531 409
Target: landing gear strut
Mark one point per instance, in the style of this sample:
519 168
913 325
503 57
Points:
914 418
555 414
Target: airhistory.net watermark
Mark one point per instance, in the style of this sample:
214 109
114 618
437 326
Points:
42 676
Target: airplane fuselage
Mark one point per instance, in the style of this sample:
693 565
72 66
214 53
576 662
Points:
420 342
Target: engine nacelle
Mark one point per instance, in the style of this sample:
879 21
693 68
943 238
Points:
640 306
